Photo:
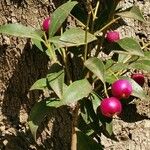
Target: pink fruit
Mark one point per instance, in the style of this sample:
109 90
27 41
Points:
121 88
112 36
46 24
110 107
139 78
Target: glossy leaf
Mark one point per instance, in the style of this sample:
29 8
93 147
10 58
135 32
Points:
131 45
37 114
85 142
39 84
20 31
132 12
56 81
96 66
76 36
59 16
76 91
137 89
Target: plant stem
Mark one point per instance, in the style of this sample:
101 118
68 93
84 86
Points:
66 64
74 125
107 25
146 45
86 31
105 90
50 50
94 16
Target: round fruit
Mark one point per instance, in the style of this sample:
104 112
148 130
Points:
121 88
112 36
110 107
46 24
139 78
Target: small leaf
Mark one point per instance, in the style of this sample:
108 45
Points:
21 31
97 67
39 84
59 16
76 36
96 100
38 44
59 44
137 89
56 79
85 142
76 91
131 45
37 114
53 103
132 12
109 127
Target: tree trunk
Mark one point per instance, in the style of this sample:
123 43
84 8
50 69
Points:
21 64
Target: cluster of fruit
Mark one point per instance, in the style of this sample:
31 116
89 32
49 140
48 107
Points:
121 89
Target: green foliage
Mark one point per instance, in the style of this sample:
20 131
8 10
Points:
131 45
76 91
59 16
21 31
40 84
132 12
97 67
37 114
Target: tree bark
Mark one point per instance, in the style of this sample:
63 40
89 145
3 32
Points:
21 64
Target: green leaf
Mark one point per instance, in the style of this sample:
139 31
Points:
137 89
59 44
84 142
132 12
56 79
38 44
20 31
109 127
141 65
96 100
53 102
97 67
76 91
39 84
59 16
37 114
76 36
131 45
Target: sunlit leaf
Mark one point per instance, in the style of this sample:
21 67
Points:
137 89
59 16
76 91
132 12
39 84
131 45
96 66
20 31
76 36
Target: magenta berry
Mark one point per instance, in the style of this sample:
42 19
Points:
112 36
121 88
46 24
110 107
139 78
